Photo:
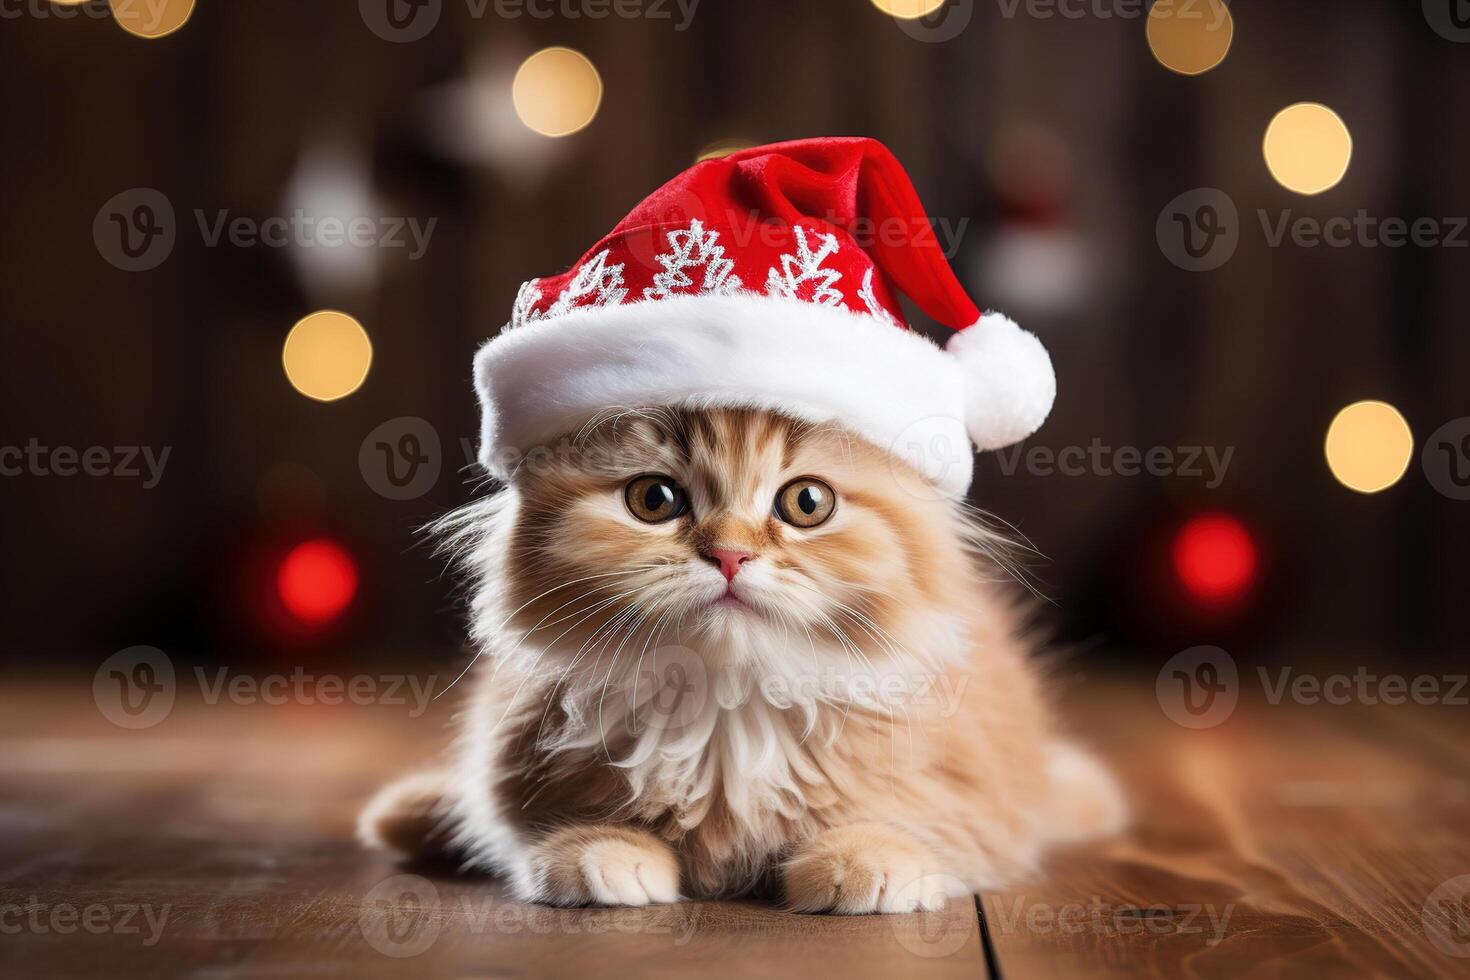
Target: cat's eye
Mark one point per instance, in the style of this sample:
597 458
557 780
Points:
805 502
655 498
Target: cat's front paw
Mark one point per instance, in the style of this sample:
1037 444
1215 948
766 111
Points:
603 866
863 868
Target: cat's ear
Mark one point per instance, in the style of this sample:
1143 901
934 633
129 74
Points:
1009 381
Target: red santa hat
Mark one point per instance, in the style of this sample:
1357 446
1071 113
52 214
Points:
769 279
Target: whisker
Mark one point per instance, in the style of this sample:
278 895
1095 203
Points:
554 588
531 670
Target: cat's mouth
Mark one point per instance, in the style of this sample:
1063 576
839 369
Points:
730 602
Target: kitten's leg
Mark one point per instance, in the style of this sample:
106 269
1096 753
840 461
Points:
603 865
865 867
411 816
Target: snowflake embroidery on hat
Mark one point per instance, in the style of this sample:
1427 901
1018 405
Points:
595 284
524 310
803 273
693 248
870 300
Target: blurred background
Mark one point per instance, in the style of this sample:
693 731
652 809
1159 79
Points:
184 186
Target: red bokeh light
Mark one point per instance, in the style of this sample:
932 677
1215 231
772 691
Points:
317 581
1215 558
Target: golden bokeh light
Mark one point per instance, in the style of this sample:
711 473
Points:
721 148
1189 37
1369 446
556 92
1307 148
327 355
908 9
151 19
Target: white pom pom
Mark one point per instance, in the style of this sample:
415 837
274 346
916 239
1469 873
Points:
1009 381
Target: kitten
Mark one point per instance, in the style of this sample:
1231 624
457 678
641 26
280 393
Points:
724 648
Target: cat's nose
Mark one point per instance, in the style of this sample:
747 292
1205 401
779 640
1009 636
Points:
729 560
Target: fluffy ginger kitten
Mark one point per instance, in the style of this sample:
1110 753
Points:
724 651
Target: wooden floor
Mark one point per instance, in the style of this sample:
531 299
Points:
1315 841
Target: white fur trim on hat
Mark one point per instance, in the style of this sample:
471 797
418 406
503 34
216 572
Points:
895 388
1009 381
